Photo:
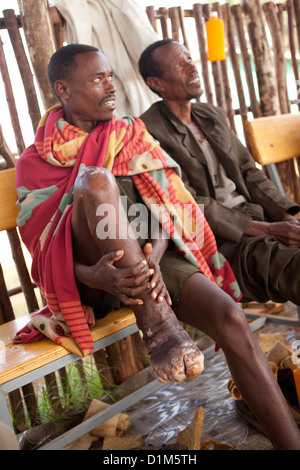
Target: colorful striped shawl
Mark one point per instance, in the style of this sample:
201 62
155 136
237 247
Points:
46 173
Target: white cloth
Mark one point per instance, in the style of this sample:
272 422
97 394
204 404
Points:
121 30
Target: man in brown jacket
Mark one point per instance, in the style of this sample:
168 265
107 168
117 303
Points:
253 222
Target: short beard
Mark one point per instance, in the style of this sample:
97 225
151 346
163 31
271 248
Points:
193 96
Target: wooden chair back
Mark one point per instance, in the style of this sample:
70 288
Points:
274 142
274 139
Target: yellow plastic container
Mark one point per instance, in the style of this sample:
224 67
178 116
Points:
215 39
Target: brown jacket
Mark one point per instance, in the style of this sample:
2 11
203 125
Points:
265 202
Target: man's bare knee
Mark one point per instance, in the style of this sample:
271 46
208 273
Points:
233 328
95 180
235 316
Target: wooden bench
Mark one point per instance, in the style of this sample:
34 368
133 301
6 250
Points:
21 364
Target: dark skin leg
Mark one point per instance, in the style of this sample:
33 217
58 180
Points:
173 355
214 312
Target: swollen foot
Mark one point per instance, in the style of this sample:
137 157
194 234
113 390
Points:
173 355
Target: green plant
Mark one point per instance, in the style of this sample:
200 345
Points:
71 393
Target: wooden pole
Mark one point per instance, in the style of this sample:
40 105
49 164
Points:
266 78
291 22
224 76
40 40
32 303
11 23
197 10
181 20
2 318
5 303
122 369
270 10
52 390
237 14
31 403
152 17
175 23
297 18
11 101
235 64
163 16
17 409
58 24
104 369
5 151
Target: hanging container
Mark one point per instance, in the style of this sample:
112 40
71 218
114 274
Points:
215 38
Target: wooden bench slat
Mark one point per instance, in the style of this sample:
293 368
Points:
23 358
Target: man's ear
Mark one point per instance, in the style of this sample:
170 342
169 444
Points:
155 84
62 89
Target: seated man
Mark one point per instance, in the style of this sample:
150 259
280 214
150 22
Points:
69 186
252 221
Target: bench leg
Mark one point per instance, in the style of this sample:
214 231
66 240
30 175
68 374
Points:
4 413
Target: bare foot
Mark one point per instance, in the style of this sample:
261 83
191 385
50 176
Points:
173 354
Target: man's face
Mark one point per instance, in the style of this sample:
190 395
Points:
89 95
180 80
